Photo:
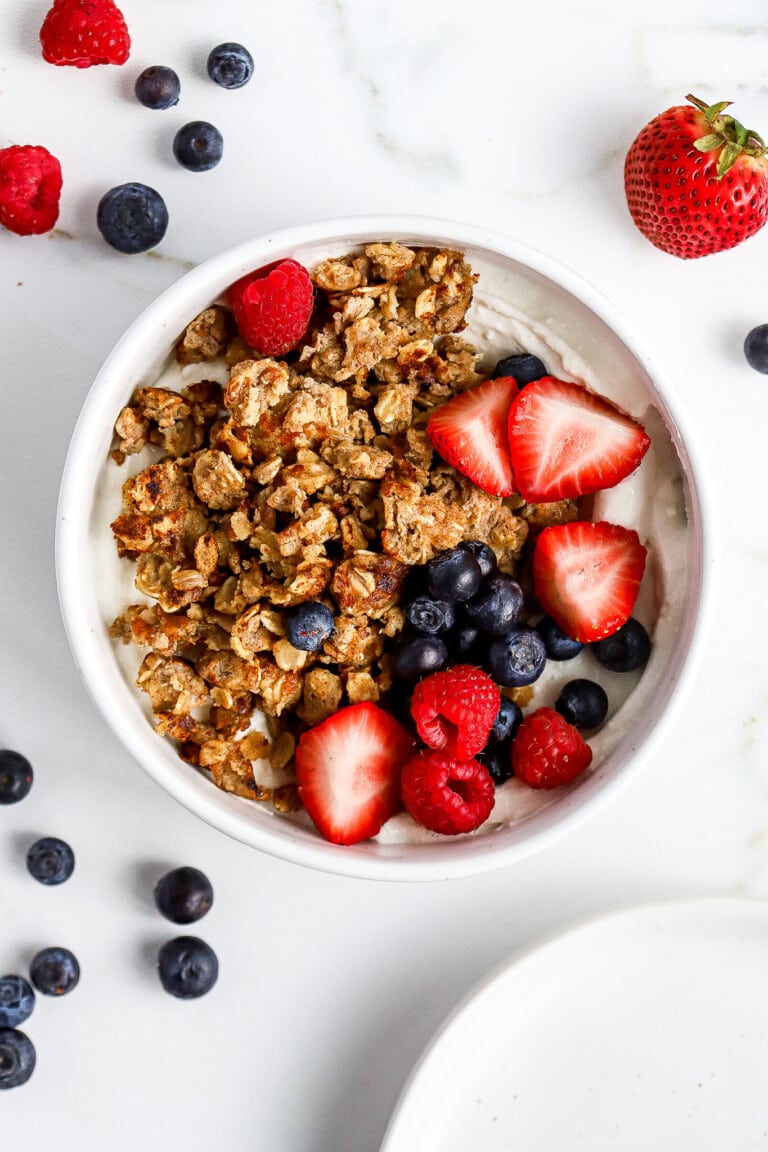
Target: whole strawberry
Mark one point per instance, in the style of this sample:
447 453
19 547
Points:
696 181
81 33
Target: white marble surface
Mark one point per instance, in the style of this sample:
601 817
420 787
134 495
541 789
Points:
514 116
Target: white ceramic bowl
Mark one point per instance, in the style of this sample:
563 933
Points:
566 306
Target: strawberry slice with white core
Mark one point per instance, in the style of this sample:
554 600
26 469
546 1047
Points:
348 772
586 576
470 432
566 441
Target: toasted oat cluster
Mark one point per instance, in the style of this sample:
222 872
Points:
306 479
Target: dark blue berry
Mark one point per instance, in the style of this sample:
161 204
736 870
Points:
756 348
419 657
158 87
583 703
17 1058
198 146
464 643
506 723
188 967
517 658
497 607
132 218
184 895
498 761
558 645
54 971
51 861
524 367
309 625
625 650
230 65
429 616
16 776
485 556
17 1001
454 575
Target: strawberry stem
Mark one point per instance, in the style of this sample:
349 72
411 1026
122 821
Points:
726 137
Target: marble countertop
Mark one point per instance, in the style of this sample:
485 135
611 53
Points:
516 118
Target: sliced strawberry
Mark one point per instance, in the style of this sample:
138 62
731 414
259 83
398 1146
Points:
348 772
586 576
566 441
470 432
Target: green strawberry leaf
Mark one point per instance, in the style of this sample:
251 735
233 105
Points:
708 143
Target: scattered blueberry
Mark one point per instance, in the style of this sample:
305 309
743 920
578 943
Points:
198 146
17 1058
230 65
454 575
54 971
157 87
517 658
188 967
498 760
506 723
51 861
625 650
427 615
419 657
485 556
558 645
524 367
16 776
463 643
184 895
582 703
17 1001
497 607
756 348
309 625
132 218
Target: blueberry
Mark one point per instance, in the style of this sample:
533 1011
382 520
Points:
485 556
756 348
309 625
184 895
54 971
427 615
17 1058
51 861
583 703
132 218
558 645
198 146
464 643
524 367
419 657
188 967
625 650
517 658
506 723
454 575
497 607
230 65
157 87
16 1001
16 776
498 761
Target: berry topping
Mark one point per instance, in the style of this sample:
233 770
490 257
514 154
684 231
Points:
188 967
497 760
566 441
455 710
198 146
517 658
430 616
418 657
586 576
158 87
17 1058
507 722
132 218
522 366
230 65
756 348
184 895
51 861
55 971
16 776
464 643
582 703
485 556
445 795
348 772
497 607
17 1001
470 432
454 575
309 625
626 650
558 645
548 751
272 307
85 32
30 187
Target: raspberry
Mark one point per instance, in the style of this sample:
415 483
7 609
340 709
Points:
30 186
445 795
272 307
85 32
455 710
548 751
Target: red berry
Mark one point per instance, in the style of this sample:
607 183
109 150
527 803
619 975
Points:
272 307
30 187
455 710
470 432
85 32
548 751
445 795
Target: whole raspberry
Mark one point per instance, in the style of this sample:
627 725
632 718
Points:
455 710
85 32
272 307
30 187
445 795
548 751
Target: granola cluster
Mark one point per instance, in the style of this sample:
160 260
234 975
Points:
310 478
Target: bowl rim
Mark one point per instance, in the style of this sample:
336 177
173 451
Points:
281 839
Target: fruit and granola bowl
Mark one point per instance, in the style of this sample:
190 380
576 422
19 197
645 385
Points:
380 547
